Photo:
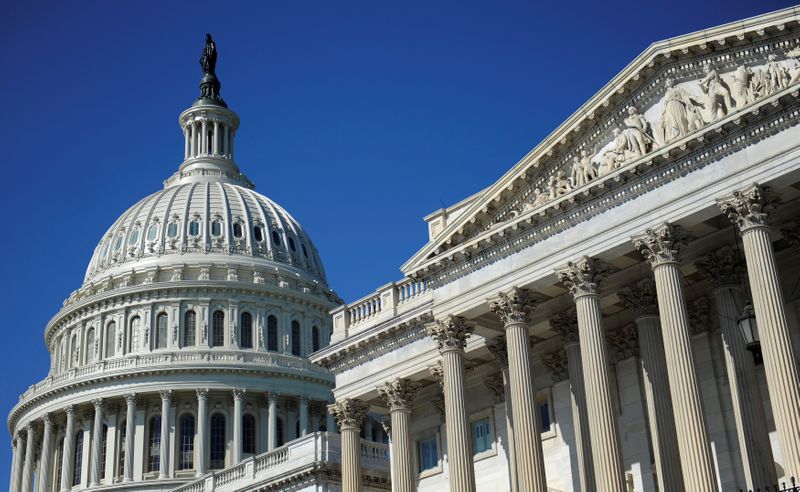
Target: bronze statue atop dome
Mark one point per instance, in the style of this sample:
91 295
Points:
208 60
209 84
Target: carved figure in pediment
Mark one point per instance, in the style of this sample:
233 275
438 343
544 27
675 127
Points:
576 173
539 198
558 185
718 95
636 131
776 75
587 169
794 71
741 93
679 114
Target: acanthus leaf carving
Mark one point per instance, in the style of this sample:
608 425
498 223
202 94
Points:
640 298
749 207
399 393
451 333
661 244
513 306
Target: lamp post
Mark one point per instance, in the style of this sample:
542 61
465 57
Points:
749 329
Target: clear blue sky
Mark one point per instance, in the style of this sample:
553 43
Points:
358 117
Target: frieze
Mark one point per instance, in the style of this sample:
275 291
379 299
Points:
352 357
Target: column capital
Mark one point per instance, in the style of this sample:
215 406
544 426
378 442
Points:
238 393
566 324
69 410
640 298
47 419
791 232
130 398
513 306
499 350
580 277
438 403
495 385
749 207
661 244
303 399
624 342
98 403
349 413
721 268
451 333
556 363
437 371
202 393
699 312
273 396
166 395
399 394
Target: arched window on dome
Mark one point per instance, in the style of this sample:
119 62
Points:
217 442
111 339
276 238
292 245
218 329
162 331
186 442
189 330
154 444
295 338
248 434
152 232
272 333
246 331
258 233
315 341
172 229
135 327
305 251
89 347
216 228
194 227
237 230
133 238
77 459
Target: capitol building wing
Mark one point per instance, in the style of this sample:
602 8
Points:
619 311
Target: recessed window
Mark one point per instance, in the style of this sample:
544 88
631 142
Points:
428 453
172 229
134 237
152 232
258 233
315 342
194 228
218 329
189 321
118 243
276 238
162 331
295 338
237 230
216 228
291 245
246 327
106 245
187 429
154 447
272 333
248 434
544 412
481 435
217 442
305 251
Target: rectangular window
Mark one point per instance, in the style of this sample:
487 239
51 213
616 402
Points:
481 436
428 454
544 412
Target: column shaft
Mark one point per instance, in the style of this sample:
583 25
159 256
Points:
580 417
462 474
69 451
194 144
237 427
403 477
202 424
606 455
16 464
27 470
163 466
693 442
351 460
272 418
43 479
659 405
215 145
97 441
130 432
303 416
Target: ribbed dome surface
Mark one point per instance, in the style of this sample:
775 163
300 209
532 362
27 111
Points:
207 217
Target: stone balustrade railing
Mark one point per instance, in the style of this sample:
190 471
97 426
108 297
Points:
147 361
382 304
295 456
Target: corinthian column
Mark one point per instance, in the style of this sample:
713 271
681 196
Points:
27 470
130 431
723 272
399 395
163 466
69 449
749 209
566 324
350 413
16 464
581 279
498 348
513 308
238 397
660 247
97 440
641 300
43 478
450 336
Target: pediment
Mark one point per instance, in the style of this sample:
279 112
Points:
663 104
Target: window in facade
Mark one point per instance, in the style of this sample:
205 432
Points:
77 459
134 237
237 230
162 331
481 436
272 333
315 342
258 233
186 443
305 251
189 321
118 243
73 346
248 434
123 431
295 338
291 245
103 444
111 339
217 442
59 457
276 238
194 228
218 329
216 228
428 453
544 412
134 336
90 346
154 444
152 231
172 229
279 431
246 331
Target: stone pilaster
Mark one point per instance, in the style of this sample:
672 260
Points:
749 210
566 324
498 348
27 469
69 449
45 463
513 308
581 279
399 395
660 247
238 400
166 403
130 431
350 413
450 336
641 300
97 441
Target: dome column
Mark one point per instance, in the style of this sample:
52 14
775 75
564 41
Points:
350 414
69 449
272 421
130 430
97 441
43 478
27 469
193 145
399 395
163 465
303 404
238 396
16 463
202 423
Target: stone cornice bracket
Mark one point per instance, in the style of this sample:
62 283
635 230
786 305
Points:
721 268
640 298
349 413
495 385
437 371
556 363
499 350
514 306
450 333
749 208
580 277
202 393
661 244
166 395
566 325
399 394
624 342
